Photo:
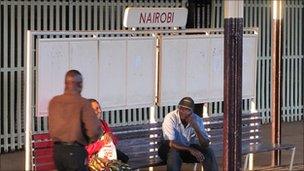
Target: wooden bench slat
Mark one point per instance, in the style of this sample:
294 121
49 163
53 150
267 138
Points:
136 127
245 135
145 163
44 159
42 152
138 134
43 167
43 136
220 117
43 144
266 148
214 132
219 124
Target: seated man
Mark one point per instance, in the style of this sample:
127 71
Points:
180 127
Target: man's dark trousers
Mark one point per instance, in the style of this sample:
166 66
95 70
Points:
175 158
70 157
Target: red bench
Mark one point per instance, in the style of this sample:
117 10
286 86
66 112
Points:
42 153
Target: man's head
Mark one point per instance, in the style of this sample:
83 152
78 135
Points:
185 108
73 81
96 107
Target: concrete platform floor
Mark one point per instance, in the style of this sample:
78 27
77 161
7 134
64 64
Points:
292 132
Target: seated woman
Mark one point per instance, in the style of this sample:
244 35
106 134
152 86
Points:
107 136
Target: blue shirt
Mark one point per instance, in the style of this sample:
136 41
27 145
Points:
173 129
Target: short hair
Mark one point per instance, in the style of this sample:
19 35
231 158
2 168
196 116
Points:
75 74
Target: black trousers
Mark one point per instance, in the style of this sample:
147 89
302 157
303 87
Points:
174 158
70 157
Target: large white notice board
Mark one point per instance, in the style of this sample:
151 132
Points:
193 65
119 72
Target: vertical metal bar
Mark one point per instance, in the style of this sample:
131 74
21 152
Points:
256 13
95 17
101 16
43 22
112 16
19 113
268 56
5 77
45 17
76 13
205 110
296 104
292 87
132 116
292 18
259 76
5 111
83 22
59 21
89 19
276 78
266 84
28 102
259 67
213 13
12 37
251 16
301 51
140 113
296 25
284 68
19 83
51 17
263 58
106 116
288 59
293 83
71 16
297 61
5 37
107 18
218 16
215 107
246 13
284 84
12 110
124 121
11 80
233 49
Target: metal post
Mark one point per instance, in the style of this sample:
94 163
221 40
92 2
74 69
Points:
276 77
28 104
233 49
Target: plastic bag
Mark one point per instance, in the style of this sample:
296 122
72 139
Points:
108 151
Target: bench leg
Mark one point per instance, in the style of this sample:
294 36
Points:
250 160
195 166
246 162
292 158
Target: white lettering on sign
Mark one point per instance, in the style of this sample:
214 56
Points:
155 17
